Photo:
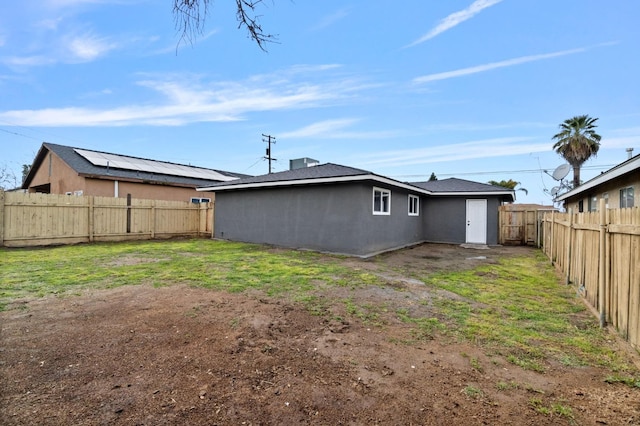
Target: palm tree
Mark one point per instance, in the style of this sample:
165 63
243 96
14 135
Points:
511 184
577 142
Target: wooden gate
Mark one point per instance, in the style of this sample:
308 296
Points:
519 224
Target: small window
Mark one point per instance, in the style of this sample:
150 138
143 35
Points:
593 203
626 197
606 199
414 205
198 200
381 201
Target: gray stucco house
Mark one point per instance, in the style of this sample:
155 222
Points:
341 209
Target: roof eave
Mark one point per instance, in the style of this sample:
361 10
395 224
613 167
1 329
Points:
37 161
311 181
620 170
511 194
134 180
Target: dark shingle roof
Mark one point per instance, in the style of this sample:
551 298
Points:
84 167
458 185
333 173
323 171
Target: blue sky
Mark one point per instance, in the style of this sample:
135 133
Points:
462 88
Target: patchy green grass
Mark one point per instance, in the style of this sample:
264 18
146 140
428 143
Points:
219 265
515 309
518 309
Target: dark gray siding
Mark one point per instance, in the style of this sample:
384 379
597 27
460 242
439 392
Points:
335 218
445 219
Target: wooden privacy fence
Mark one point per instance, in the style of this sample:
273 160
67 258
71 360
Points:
45 219
599 252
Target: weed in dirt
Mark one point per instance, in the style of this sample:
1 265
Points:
633 382
368 314
475 364
557 409
472 392
539 406
504 386
425 328
526 363
314 304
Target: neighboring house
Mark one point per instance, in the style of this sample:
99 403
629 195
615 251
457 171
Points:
616 186
346 210
59 169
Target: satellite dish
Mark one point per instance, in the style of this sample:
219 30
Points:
555 190
561 172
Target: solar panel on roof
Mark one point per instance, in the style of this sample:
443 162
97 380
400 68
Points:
143 165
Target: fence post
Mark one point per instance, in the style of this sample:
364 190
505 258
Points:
601 259
91 220
569 244
551 236
607 262
1 217
152 219
128 213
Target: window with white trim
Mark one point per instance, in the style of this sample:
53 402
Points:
626 197
381 201
414 205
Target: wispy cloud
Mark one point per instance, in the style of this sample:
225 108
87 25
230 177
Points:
455 19
496 147
184 100
74 3
494 65
71 48
337 129
319 129
331 19
86 47
27 61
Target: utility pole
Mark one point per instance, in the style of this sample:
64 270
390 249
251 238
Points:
268 139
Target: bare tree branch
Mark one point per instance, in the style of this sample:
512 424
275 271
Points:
253 26
190 17
8 179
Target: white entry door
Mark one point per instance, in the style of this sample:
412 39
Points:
477 221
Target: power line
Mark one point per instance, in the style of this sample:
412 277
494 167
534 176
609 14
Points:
18 134
595 167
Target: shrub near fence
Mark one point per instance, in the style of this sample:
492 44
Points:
45 219
599 253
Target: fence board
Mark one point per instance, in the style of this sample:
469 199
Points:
573 243
634 295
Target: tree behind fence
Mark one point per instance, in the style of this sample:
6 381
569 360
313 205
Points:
45 219
599 253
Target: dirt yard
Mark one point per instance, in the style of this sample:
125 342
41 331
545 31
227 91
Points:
179 355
